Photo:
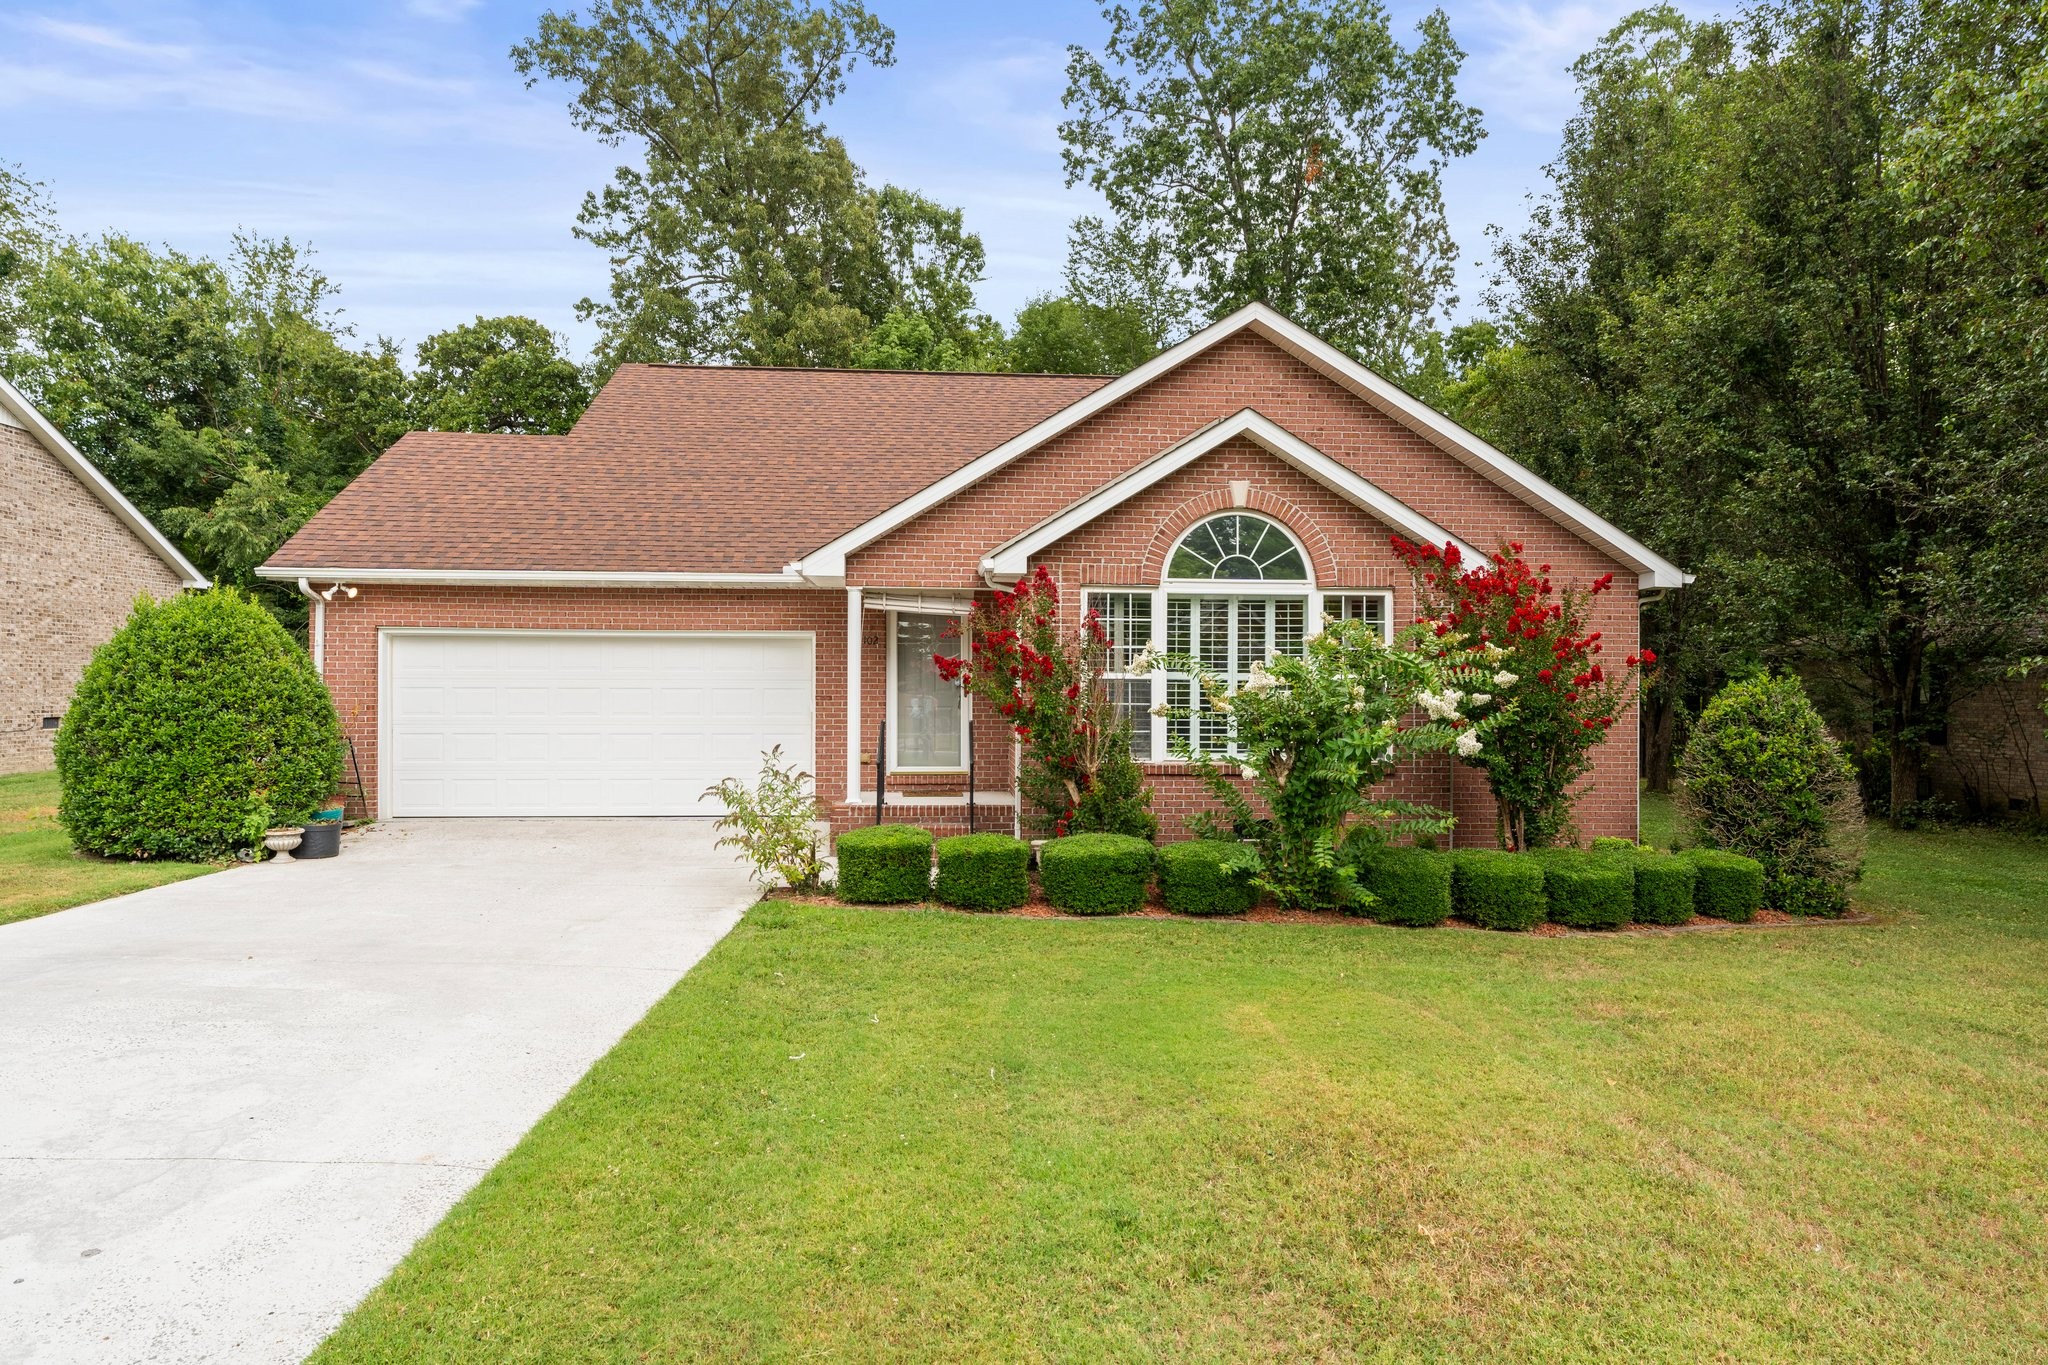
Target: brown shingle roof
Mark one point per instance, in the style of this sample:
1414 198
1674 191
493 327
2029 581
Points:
676 469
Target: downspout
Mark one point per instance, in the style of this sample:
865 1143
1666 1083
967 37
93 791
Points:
316 634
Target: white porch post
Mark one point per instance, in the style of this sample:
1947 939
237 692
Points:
853 616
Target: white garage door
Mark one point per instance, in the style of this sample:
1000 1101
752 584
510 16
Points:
584 722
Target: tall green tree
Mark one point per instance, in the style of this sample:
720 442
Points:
27 229
506 374
1290 151
1737 334
746 233
222 398
1060 334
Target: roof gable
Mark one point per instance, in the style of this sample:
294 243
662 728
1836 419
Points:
1013 559
17 411
828 563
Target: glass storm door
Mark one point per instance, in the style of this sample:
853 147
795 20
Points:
929 719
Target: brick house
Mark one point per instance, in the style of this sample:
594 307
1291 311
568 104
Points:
74 556
719 559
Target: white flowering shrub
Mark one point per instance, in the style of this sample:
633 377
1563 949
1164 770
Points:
1312 736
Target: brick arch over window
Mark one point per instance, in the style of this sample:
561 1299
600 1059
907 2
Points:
1201 506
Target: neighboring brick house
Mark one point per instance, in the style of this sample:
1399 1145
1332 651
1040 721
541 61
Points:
719 559
1993 761
74 556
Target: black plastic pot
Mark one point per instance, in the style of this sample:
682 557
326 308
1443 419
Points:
323 840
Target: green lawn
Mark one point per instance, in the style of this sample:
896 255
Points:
39 871
864 1135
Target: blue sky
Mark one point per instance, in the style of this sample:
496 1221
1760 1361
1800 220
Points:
394 136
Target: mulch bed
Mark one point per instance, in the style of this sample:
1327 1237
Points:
1038 908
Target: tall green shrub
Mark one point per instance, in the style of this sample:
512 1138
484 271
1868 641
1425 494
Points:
198 724
1763 777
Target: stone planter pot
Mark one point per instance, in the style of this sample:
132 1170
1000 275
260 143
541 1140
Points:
283 838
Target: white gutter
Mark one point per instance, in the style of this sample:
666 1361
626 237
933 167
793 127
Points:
540 578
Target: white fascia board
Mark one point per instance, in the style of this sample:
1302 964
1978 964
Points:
1014 559
829 559
1653 571
828 562
23 414
536 578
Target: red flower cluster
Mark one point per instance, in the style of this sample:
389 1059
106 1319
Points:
1033 678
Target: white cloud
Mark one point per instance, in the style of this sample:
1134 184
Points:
98 67
1015 95
442 10
1520 72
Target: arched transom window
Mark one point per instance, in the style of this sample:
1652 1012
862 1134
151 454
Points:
1237 590
1237 547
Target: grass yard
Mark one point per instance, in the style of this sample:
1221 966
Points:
39 871
863 1135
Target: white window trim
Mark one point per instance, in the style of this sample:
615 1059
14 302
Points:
1386 596
889 696
1248 587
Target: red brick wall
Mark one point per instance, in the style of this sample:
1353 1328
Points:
1128 546
352 626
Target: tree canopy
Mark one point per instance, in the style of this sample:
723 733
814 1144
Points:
1774 317
746 233
1290 151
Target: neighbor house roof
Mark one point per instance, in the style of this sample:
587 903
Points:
674 472
17 411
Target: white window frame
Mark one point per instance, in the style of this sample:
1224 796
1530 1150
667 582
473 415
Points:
1229 588
895 731
1332 597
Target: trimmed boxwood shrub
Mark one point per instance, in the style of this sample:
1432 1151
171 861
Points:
1409 886
1208 877
885 864
1728 885
1095 874
1587 890
1497 890
198 724
983 872
1608 843
1664 883
1762 776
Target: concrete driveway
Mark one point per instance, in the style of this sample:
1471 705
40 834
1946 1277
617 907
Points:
229 1106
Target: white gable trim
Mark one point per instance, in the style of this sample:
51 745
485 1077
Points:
827 564
22 413
1013 560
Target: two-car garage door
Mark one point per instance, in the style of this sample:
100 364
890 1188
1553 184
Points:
586 722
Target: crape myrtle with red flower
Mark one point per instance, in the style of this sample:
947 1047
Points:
1045 682
1566 695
